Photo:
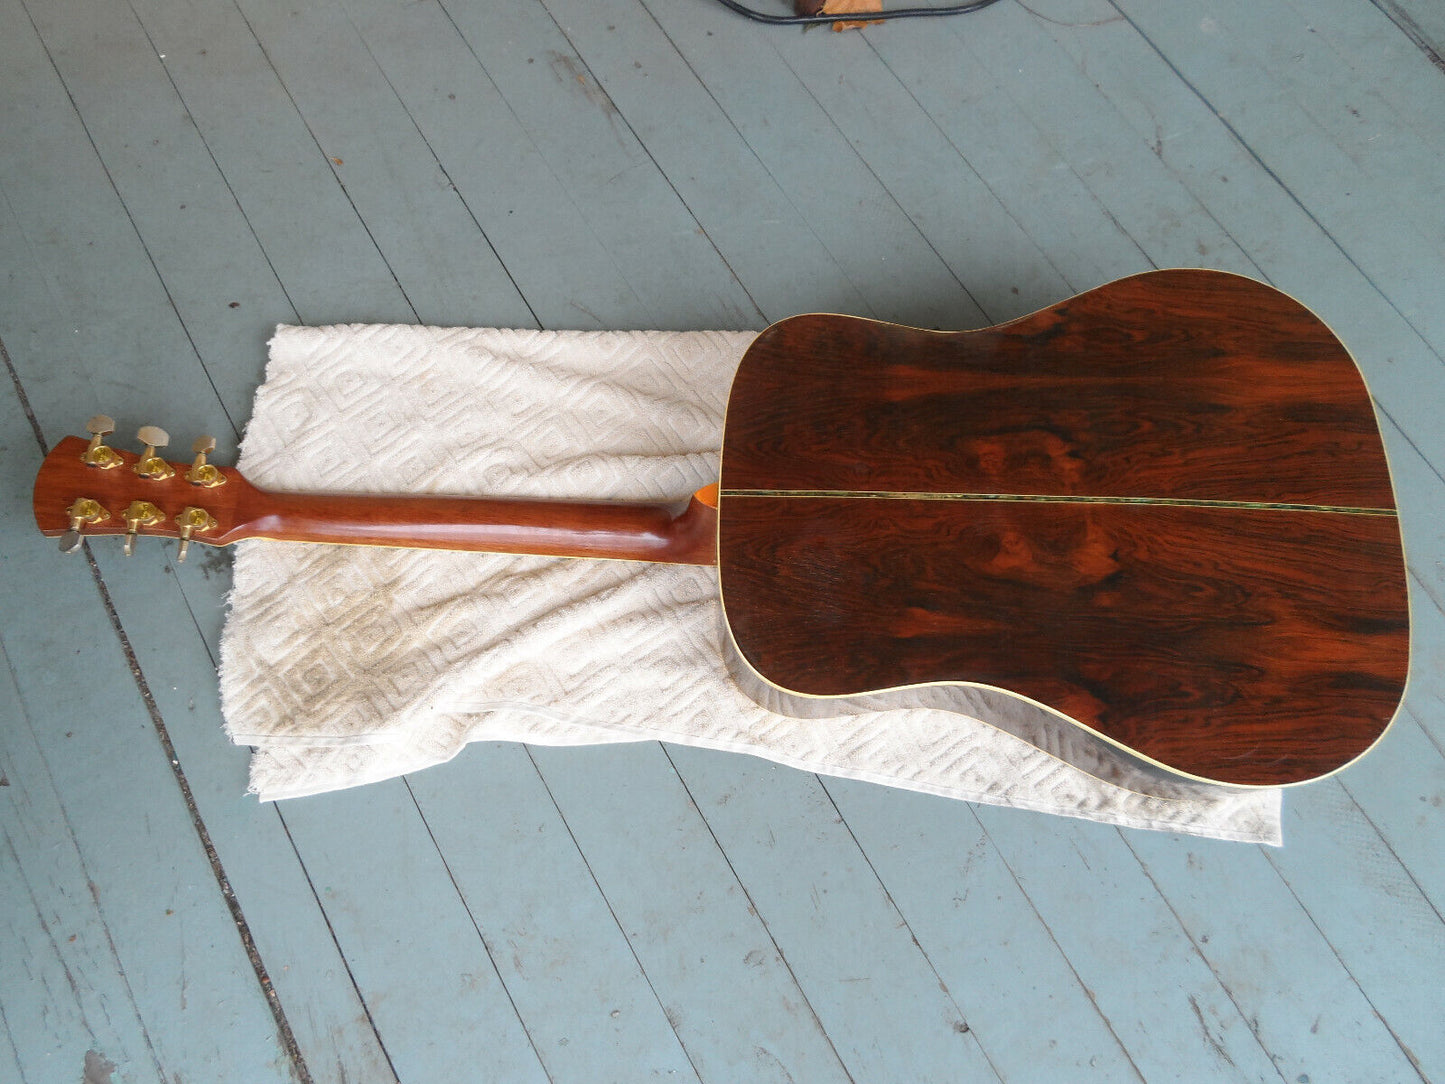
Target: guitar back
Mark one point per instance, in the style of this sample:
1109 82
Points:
1160 509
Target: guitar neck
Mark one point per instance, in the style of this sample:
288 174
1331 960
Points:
618 531
226 511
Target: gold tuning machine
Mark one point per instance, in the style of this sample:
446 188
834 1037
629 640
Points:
191 520
151 465
137 515
83 513
97 454
201 472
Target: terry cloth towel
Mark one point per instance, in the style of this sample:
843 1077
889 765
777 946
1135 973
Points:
344 665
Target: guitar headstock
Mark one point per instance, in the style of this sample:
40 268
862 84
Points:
86 489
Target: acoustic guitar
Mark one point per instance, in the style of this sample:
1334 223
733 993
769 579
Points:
1160 509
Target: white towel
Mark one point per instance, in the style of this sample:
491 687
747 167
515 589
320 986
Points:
346 665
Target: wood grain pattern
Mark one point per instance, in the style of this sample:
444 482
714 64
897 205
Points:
1161 509
1176 384
1225 646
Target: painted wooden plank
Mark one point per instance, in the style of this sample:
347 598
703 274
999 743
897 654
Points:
547 246
1371 219
98 348
293 203
720 977
1373 914
769 245
174 940
94 282
588 1007
171 191
1351 90
1396 75
1037 1021
606 172
62 990
1040 187
985 247
429 238
430 985
992 950
871 985
1122 938
10 1060
1421 21
1402 790
785 133
1311 1016
786 121
1125 176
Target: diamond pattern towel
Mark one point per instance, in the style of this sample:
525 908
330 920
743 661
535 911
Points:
346 665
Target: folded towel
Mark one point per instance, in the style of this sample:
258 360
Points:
346 665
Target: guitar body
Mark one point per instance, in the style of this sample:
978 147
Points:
1160 509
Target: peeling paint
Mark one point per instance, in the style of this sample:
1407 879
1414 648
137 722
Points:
98 1069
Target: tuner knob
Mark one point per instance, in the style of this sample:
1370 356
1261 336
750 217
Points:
191 520
83 512
201 472
151 465
137 515
97 454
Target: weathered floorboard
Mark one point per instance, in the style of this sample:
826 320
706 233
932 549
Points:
177 178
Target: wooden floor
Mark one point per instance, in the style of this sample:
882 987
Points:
179 176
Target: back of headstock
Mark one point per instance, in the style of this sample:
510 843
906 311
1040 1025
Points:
86 488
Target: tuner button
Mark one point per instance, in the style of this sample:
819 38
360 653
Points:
139 514
191 520
201 472
97 454
83 512
151 465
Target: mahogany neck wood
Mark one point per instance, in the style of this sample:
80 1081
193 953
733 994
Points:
678 533
619 531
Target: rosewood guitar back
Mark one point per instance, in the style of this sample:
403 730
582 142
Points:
1160 509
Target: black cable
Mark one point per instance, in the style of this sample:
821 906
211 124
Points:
852 16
